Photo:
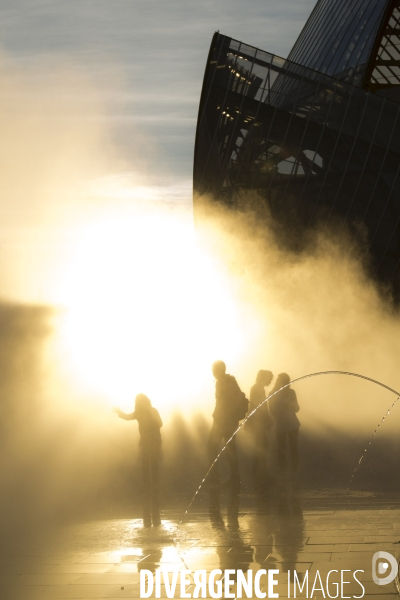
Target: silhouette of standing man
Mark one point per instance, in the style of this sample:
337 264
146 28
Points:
230 407
150 424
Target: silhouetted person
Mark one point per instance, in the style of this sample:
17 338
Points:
283 407
259 426
150 424
230 408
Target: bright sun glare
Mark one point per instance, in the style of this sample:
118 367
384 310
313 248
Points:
147 311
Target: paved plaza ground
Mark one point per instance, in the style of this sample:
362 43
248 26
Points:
302 531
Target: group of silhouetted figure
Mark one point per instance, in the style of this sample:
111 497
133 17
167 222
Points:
262 420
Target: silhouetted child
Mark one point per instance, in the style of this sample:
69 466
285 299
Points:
150 424
259 426
283 407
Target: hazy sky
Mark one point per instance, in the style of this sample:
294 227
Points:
98 110
157 49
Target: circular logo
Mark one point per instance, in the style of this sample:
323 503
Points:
381 561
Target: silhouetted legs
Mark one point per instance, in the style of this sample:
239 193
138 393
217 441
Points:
150 472
259 460
217 434
294 455
214 507
293 448
233 507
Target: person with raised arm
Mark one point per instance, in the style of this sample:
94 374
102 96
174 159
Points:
150 424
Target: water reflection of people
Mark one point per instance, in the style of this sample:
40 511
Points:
283 407
150 424
259 426
234 553
289 537
226 420
151 560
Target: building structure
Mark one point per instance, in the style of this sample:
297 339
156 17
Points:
316 135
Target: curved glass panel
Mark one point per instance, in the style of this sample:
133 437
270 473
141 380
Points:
339 37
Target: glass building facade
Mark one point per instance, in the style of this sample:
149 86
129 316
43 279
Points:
317 135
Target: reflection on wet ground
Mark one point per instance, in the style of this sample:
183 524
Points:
284 530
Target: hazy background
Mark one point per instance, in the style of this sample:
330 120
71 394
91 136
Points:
106 291
148 59
100 98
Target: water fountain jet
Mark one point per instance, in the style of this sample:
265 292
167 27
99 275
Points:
303 377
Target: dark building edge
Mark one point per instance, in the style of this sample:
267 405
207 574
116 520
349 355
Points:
202 103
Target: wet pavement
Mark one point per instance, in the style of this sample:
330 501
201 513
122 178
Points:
303 531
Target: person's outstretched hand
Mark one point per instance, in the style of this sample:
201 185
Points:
116 409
